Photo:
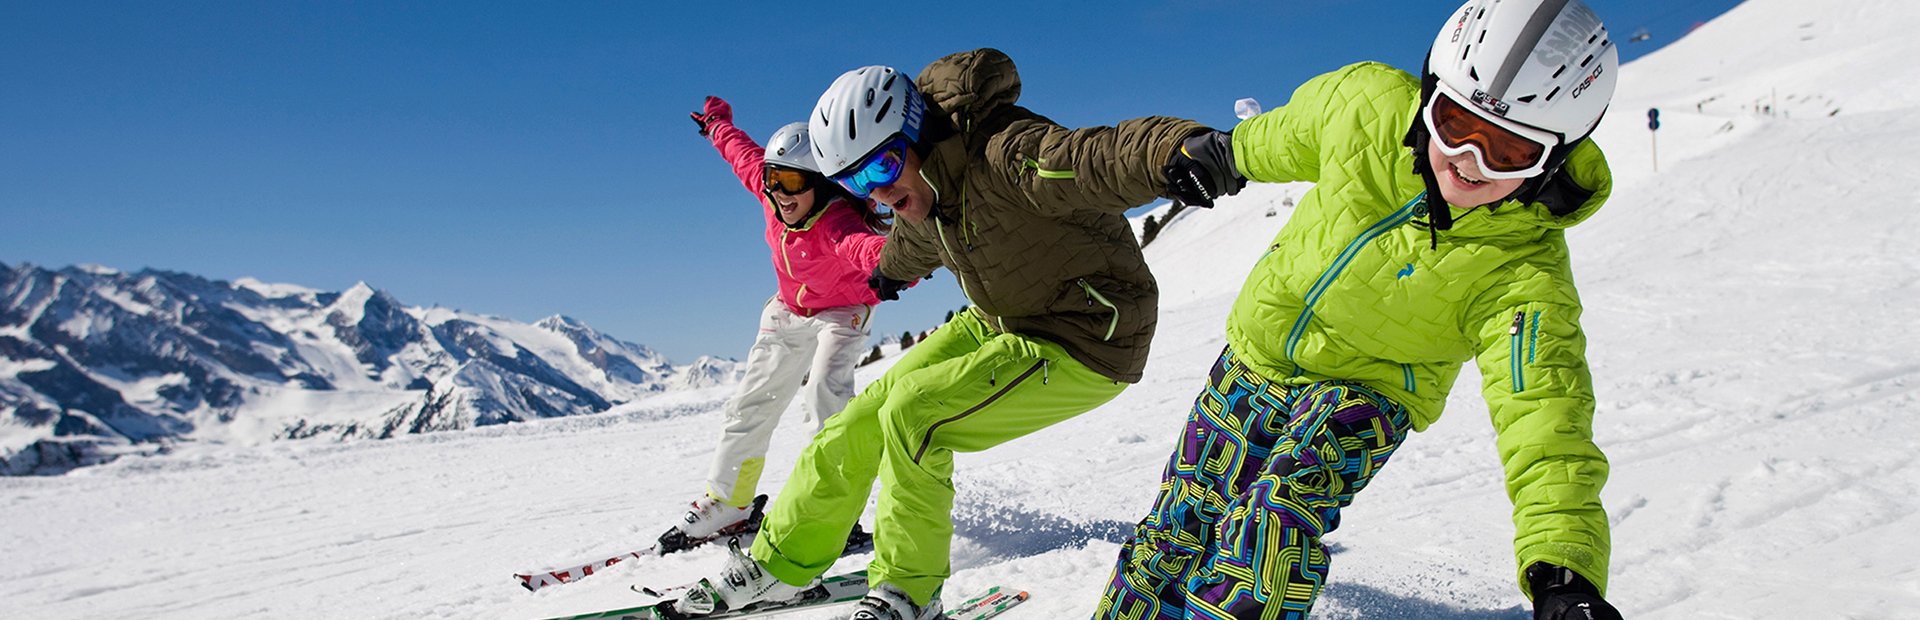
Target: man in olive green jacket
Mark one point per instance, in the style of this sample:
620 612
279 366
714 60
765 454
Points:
1029 216
1350 331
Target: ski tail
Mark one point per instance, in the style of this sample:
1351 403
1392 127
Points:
535 580
993 602
670 542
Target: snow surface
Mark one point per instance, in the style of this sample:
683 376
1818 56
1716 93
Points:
1751 312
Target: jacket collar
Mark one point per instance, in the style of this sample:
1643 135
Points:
944 168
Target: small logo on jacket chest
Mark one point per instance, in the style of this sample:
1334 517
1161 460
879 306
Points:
1405 271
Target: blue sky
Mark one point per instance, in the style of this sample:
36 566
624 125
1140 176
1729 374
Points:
525 159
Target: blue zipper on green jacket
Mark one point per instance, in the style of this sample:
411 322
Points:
1515 332
1381 227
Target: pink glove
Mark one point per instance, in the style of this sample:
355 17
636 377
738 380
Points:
716 109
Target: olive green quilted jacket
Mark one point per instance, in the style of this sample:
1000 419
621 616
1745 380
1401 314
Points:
1350 289
1031 215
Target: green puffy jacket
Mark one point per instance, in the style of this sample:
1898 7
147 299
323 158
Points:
1351 290
1031 215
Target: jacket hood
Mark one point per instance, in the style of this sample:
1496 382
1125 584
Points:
1587 168
971 85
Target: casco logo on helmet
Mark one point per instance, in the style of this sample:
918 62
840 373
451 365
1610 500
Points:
1460 25
1489 102
1570 32
1582 87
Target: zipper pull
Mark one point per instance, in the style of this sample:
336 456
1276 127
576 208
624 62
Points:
1519 317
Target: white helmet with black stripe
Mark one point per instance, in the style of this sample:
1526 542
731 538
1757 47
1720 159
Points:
1547 64
860 112
790 148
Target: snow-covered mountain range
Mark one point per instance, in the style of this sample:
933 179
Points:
96 363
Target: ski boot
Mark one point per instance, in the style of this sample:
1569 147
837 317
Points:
710 519
742 582
889 603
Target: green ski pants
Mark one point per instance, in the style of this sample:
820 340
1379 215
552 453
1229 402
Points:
963 388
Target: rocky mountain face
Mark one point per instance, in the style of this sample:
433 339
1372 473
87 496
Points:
97 363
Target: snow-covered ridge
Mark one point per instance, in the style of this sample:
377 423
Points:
96 362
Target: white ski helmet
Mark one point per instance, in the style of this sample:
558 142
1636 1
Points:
789 148
1542 63
863 109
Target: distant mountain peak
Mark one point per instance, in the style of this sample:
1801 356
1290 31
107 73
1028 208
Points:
96 362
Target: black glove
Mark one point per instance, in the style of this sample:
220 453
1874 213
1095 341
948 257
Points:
886 288
1561 594
1201 170
715 109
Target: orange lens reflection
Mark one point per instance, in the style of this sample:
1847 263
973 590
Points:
1500 150
787 181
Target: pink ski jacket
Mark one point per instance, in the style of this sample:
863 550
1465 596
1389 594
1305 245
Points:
823 263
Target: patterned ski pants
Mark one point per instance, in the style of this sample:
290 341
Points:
1260 474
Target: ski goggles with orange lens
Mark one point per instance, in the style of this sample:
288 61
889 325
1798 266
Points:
787 181
1504 149
881 168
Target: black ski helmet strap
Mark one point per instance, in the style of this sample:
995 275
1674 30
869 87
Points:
1439 217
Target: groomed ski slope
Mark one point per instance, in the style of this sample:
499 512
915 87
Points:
1752 322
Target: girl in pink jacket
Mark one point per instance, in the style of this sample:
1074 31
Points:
825 245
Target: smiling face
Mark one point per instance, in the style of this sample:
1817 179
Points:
792 207
910 197
1461 182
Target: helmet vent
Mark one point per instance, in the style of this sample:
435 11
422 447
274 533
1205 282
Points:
853 129
1587 61
888 85
1593 38
1527 99
1483 37
884 106
1557 72
1466 50
1474 72
1551 93
869 97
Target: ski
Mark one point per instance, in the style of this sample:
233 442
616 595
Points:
669 543
858 541
993 602
835 590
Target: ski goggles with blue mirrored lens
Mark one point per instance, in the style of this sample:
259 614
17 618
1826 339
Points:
881 168
1503 148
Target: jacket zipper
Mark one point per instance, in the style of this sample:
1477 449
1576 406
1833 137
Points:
1095 295
786 256
927 440
1333 271
1519 320
941 229
1035 166
1533 336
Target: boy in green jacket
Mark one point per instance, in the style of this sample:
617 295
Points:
1350 331
1030 217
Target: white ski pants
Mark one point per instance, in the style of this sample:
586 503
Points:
822 350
